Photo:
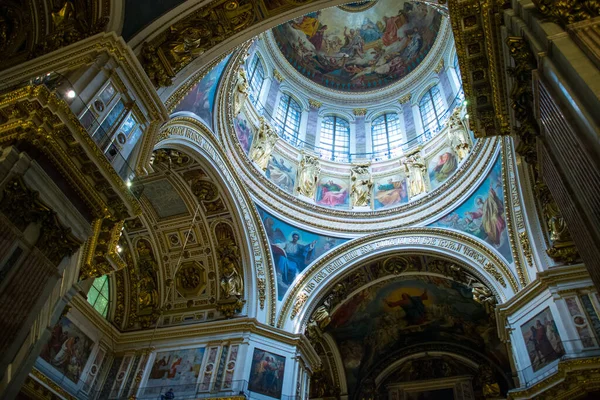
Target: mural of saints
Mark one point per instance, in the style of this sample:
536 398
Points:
201 99
266 373
293 249
483 214
67 350
362 51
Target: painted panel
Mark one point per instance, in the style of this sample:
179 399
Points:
542 340
390 191
201 99
175 368
293 248
358 51
164 198
244 131
483 214
266 373
68 349
441 166
390 315
282 172
333 192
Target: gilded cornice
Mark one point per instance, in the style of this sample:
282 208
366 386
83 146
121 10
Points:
433 240
574 378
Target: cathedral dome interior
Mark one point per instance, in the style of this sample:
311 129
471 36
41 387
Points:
299 200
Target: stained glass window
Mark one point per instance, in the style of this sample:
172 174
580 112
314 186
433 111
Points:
256 76
98 295
431 107
386 134
335 137
288 117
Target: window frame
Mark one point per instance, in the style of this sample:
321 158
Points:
283 124
106 283
432 103
254 67
387 120
333 151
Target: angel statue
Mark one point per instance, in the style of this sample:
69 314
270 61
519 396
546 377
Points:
308 174
415 171
263 144
457 134
231 281
361 188
241 91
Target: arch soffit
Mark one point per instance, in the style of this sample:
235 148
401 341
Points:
313 283
197 140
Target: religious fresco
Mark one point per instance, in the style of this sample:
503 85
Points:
441 166
333 192
542 340
266 373
282 172
409 310
244 131
176 368
68 349
483 214
390 191
350 51
201 99
293 249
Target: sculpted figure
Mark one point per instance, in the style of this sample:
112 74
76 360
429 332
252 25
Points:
415 171
361 187
457 133
308 174
263 144
556 223
241 91
187 44
231 281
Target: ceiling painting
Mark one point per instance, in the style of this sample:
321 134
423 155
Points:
360 51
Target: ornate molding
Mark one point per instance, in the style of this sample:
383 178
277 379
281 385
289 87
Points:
568 12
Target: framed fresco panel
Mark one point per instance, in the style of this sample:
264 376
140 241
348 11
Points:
68 349
441 166
333 192
244 131
266 373
282 172
177 369
390 191
542 340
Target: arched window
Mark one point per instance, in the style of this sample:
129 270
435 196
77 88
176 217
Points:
288 117
431 107
386 134
456 66
256 76
335 137
98 295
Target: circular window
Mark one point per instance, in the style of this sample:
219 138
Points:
121 138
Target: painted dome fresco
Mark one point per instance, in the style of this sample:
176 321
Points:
362 46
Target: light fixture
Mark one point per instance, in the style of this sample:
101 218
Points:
71 94
128 183
467 116
465 102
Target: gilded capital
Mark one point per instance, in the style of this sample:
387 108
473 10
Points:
439 67
360 112
314 103
405 99
277 75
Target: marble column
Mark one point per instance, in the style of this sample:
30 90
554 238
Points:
273 93
360 132
409 121
312 126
